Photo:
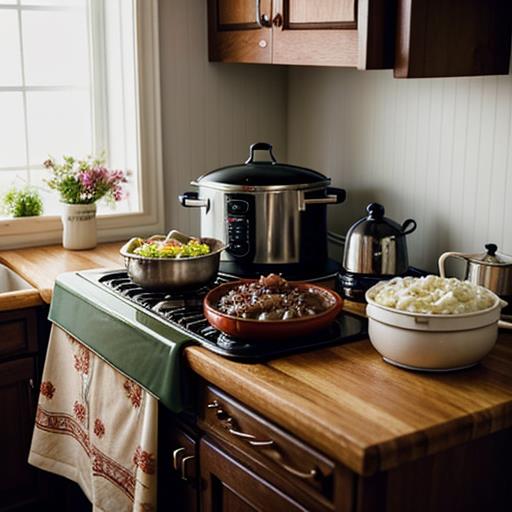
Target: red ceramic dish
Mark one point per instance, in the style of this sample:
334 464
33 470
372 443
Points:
265 330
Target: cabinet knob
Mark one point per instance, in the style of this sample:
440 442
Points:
262 43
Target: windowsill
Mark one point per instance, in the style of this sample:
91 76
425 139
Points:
44 230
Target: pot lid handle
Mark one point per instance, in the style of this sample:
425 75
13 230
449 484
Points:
491 249
260 146
375 211
491 257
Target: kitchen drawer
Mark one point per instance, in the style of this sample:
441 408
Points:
285 455
18 332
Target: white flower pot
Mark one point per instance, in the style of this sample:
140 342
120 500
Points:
79 223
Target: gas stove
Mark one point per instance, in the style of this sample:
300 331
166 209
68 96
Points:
182 312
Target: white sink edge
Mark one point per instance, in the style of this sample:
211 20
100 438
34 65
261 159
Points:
12 282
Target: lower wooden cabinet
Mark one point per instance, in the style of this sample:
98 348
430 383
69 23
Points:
23 340
18 480
228 485
179 482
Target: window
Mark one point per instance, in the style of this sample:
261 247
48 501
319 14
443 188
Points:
77 76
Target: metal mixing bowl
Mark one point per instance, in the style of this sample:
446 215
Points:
162 274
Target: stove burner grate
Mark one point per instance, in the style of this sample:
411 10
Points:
184 309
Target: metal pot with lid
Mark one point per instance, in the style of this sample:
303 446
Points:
376 245
265 211
491 269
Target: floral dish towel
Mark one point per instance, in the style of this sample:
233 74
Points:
96 427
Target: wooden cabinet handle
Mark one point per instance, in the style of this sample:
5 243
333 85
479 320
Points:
261 19
278 20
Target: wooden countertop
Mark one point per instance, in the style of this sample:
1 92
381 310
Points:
344 400
363 412
41 265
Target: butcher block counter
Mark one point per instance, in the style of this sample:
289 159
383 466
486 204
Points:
345 401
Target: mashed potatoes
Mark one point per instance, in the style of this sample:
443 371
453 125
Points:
433 294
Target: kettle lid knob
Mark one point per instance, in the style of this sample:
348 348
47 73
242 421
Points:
375 211
491 249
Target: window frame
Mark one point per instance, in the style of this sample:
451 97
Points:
32 231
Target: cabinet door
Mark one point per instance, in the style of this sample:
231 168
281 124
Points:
323 32
240 30
18 480
178 470
437 38
228 486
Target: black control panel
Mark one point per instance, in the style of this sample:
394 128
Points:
240 225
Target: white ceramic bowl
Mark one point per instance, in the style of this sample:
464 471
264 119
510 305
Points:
431 341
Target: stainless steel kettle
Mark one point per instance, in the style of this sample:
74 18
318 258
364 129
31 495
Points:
490 269
376 245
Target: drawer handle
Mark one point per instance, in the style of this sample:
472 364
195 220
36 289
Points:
175 455
253 440
261 443
184 462
223 416
306 476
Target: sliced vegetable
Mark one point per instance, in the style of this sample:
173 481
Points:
171 249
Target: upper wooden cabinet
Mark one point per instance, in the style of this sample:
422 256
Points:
438 38
324 32
418 38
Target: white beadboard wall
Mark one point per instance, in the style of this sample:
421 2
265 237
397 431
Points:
437 150
210 112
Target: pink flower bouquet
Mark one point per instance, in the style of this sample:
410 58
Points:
85 181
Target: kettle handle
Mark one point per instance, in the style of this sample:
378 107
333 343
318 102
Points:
408 226
445 256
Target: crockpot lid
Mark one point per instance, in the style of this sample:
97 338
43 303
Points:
256 173
490 257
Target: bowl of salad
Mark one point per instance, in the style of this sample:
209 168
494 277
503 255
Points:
172 262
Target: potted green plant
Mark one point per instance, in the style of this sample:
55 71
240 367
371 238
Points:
24 202
81 183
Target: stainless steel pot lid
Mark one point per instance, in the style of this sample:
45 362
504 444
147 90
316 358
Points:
376 226
263 175
490 257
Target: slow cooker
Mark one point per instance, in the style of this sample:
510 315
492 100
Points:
267 213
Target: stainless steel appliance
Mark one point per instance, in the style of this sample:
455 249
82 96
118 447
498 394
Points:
376 245
490 269
178 316
266 212
375 249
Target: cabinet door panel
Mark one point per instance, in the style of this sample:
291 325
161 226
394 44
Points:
229 486
237 14
18 332
238 30
322 33
18 480
326 13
